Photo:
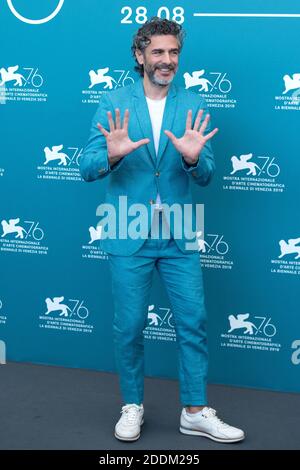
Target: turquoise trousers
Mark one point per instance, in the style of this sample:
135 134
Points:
131 284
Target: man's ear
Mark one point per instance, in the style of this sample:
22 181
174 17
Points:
139 56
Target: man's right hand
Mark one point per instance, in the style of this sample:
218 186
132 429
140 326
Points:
118 142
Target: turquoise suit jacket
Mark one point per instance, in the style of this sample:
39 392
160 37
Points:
140 174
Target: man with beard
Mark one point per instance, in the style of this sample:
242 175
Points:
150 158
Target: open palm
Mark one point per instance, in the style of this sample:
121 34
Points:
193 140
118 142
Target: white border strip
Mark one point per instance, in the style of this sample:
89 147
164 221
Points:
264 15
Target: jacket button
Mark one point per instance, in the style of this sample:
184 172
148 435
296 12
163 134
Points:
157 173
194 173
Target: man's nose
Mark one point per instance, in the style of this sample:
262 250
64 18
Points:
167 58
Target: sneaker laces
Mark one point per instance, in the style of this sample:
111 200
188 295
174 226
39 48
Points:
131 412
212 415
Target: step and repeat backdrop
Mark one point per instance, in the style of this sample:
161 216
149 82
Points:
57 59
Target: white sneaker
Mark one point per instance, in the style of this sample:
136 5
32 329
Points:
128 428
206 423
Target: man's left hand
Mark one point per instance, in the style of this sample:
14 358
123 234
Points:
193 140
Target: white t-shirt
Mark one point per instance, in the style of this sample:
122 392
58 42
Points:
156 111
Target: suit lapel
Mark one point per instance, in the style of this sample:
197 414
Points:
144 120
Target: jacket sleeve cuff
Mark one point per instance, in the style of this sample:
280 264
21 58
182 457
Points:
202 170
188 167
103 165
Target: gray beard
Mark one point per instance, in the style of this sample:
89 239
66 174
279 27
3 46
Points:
157 81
